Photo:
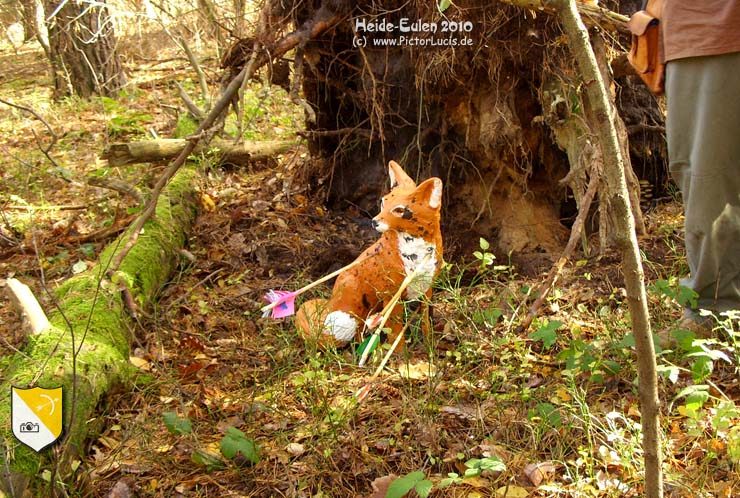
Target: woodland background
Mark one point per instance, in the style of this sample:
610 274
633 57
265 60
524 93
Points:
214 400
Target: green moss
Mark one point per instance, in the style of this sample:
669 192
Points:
95 313
186 126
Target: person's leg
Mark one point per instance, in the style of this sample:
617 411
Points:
703 128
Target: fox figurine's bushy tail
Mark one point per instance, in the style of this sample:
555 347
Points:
411 241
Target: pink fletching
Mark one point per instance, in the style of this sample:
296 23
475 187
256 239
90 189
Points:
285 303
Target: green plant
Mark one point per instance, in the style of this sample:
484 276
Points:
475 467
418 482
547 414
177 425
683 295
415 480
235 442
592 358
547 333
123 120
485 258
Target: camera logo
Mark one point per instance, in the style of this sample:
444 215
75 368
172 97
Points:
29 427
36 415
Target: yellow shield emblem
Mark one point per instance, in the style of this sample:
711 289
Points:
37 416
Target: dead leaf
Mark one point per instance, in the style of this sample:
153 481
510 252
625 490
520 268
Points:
538 472
562 395
605 481
417 371
140 363
122 489
191 368
380 486
512 492
477 482
193 343
610 457
295 449
233 421
463 413
208 202
535 381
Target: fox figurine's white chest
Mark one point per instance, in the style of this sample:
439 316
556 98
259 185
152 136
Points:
421 256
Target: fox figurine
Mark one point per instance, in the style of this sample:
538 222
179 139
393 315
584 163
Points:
410 241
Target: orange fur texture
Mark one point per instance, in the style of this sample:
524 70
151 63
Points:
410 240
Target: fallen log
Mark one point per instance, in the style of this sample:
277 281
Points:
145 151
85 347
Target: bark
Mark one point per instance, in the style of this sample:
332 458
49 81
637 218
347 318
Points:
85 348
616 184
166 148
83 54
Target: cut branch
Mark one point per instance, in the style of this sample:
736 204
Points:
26 302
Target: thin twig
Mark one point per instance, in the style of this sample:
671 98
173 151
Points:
196 66
63 207
115 185
54 137
324 20
192 106
575 235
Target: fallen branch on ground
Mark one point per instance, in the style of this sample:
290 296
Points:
145 151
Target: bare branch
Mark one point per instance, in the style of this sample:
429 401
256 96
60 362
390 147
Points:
324 20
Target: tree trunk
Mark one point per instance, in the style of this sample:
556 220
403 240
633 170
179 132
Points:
83 51
29 19
603 125
86 347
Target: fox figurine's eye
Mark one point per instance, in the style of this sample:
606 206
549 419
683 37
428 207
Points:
402 212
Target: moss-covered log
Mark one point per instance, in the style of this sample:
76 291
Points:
86 347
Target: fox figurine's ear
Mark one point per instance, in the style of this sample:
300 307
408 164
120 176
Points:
431 190
398 176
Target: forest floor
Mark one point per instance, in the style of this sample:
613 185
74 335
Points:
475 410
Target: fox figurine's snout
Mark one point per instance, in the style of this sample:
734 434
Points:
410 241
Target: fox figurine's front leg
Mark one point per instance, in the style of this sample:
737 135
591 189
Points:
411 241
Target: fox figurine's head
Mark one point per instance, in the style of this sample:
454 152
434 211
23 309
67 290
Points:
409 208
